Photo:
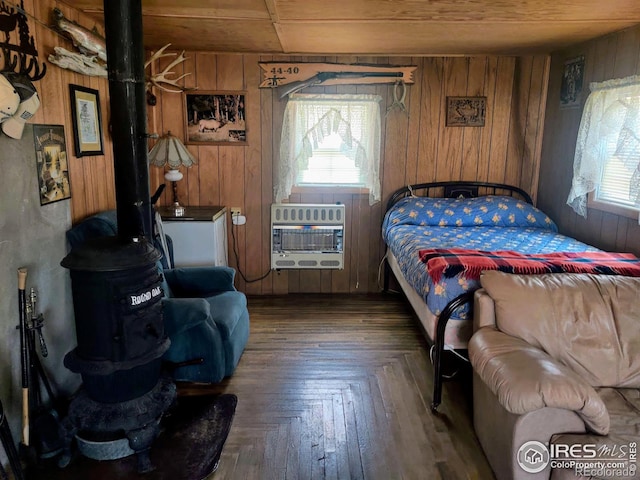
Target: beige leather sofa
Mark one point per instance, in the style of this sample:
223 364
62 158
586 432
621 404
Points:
556 360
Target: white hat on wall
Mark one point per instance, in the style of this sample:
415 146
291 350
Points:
29 104
9 99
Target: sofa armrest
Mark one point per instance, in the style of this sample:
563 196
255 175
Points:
484 310
182 314
200 281
524 378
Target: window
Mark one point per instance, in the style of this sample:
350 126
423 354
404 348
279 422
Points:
607 159
328 165
330 140
615 184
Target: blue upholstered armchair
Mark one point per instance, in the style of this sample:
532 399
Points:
204 315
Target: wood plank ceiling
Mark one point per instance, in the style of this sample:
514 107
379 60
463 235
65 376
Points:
377 27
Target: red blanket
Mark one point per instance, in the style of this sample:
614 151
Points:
470 263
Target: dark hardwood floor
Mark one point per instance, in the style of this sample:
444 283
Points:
338 387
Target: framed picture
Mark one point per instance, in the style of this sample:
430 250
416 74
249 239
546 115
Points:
466 111
87 123
51 162
215 118
572 78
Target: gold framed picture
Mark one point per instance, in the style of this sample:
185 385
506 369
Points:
87 122
51 163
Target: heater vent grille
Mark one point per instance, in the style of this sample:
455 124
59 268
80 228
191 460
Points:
296 214
307 236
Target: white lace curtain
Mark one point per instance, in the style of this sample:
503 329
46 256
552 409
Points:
310 118
610 127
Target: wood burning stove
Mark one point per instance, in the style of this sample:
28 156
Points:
117 296
115 281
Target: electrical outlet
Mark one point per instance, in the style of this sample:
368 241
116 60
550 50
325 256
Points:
236 211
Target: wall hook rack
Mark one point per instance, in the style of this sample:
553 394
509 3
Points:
22 56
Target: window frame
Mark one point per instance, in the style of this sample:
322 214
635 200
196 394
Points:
593 201
610 114
610 207
295 150
335 189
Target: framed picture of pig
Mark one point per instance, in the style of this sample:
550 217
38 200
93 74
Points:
215 118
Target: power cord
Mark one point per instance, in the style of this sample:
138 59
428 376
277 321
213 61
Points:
380 266
237 256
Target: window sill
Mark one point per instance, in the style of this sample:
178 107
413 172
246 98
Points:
612 208
330 189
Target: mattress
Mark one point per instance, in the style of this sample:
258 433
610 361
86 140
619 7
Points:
490 223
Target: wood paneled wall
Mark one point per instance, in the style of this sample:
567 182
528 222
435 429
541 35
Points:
416 147
91 178
613 56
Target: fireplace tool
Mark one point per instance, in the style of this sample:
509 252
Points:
46 434
41 433
24 353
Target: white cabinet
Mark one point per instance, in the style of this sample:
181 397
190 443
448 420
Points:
199 236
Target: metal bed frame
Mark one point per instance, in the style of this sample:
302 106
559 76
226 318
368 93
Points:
449 189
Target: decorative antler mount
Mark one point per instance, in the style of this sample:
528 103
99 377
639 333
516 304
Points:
164 80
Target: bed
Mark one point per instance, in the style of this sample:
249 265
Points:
422 220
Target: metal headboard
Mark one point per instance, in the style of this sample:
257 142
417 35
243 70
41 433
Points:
455 189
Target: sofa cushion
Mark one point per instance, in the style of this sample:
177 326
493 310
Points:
623 405
587 322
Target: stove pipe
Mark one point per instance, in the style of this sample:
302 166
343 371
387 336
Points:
125 51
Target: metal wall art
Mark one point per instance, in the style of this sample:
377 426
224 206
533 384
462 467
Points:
21 56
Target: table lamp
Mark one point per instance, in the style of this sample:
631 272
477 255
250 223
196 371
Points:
169 150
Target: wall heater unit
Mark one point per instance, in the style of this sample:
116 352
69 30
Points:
307 236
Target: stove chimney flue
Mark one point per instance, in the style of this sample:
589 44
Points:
125 53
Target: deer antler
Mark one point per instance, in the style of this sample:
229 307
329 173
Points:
162 79
159 54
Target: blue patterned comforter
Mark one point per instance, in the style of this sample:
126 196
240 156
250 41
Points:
485 223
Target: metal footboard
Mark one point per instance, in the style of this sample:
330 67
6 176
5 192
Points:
443 319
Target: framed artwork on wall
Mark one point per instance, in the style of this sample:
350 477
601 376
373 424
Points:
215 118
572 79
87 122
51 162
466 111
